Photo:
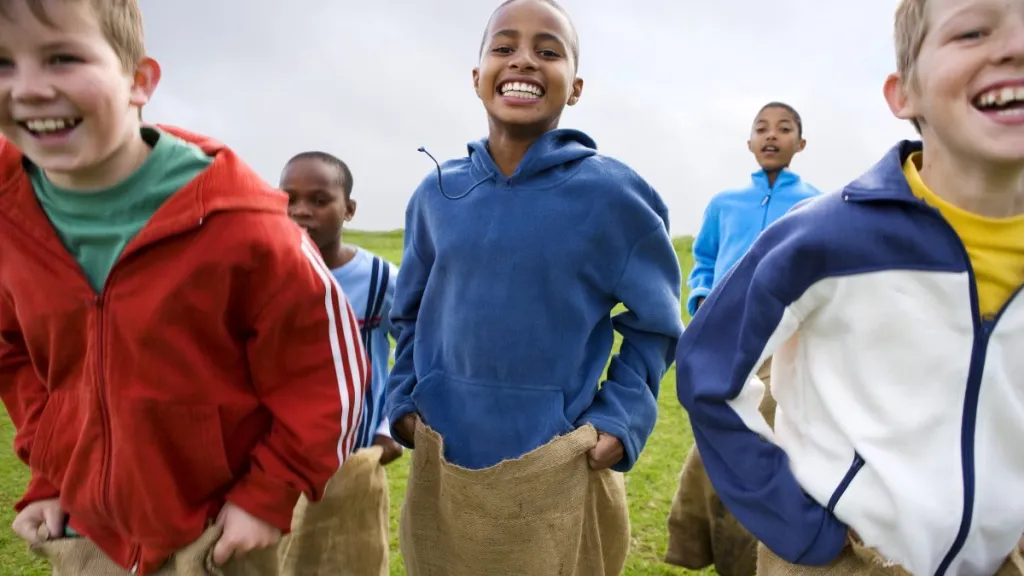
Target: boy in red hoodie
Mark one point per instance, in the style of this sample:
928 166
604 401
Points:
175 356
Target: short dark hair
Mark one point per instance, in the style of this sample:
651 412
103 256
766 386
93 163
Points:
345 175
796 115
574 41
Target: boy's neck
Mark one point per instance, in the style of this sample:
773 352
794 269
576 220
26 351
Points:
337 253
507 153
772 175
121 164
986 190
508 146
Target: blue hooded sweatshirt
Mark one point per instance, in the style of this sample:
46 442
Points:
733 220
504 297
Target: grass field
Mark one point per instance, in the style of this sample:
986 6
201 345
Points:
651 484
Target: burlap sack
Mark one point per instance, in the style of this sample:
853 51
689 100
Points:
544 514
701 531
858 560
79 556
346 532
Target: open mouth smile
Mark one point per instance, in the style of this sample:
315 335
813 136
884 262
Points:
521 90
50 127
1003 101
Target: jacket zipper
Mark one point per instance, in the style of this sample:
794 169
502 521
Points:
765 204
983 328
108 435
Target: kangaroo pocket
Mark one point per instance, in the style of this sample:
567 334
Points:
168 464
482 425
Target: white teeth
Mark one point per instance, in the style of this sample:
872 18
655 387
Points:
521 90
1000 97
46 125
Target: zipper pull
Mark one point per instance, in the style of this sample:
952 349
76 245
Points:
764 201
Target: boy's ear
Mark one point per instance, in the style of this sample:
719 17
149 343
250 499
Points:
803 144
576 92
144 81
350 209
898 96
750 145
476 81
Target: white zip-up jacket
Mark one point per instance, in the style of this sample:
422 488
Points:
900 409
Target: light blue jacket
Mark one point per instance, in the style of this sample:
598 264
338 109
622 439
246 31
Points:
733 220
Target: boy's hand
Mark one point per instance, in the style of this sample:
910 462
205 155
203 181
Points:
607 453
37 514
242 533
392 450
406 428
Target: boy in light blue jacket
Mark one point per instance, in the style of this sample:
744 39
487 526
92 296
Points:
701 530
735 218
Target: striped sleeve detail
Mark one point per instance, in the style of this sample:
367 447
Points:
351 365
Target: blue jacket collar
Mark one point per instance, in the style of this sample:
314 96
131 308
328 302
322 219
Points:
885 180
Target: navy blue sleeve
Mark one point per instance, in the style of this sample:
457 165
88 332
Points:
739 326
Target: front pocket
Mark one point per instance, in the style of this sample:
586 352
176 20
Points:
851 473
483 425
56 436
166 457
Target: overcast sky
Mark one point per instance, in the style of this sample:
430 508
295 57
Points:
671 87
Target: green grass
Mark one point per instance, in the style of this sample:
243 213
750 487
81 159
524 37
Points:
651 484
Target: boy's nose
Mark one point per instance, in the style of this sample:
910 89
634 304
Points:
299 210
28 87
1012 48
523 60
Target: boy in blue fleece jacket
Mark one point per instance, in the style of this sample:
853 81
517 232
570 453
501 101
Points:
735 218
701 530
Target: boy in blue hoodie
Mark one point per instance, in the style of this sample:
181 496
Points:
514 259
701 530
893 310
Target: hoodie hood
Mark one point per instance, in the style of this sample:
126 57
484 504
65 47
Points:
545 162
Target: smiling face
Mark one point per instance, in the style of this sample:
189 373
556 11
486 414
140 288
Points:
317 199
775 138
66 100
527 72
966 87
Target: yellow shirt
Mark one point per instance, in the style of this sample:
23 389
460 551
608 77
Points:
994 245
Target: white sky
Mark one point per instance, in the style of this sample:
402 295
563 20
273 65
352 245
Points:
671 86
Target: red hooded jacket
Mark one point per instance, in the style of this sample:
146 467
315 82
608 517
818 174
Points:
220 362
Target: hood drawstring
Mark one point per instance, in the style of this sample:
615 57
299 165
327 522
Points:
440 186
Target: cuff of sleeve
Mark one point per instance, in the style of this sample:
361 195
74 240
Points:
395 416
270 501
630 453
695 294
38 489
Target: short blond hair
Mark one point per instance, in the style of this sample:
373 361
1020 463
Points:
909 31
120 20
